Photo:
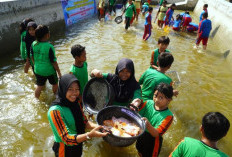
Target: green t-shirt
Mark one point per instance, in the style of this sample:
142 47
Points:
42 53
137 94
159 119
190 147
130 8
23 50
81 74
63 124
111 2
150 79
154 56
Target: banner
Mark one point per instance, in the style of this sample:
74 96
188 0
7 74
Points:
76 10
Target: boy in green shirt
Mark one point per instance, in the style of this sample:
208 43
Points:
151 77
79 68
130 11
44 60
158 119
163 43
214 126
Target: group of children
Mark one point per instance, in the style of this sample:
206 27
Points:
66 115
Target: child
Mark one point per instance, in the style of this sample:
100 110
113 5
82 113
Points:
169 14
138 4
125 86
23 32
205 6
214 127
45 62
204 29
145 8
161 13
112 6
79 68
147 24
151 77
158 118
186 20
163 43
29 39
192 27
68 121
130 11
177 23
101 11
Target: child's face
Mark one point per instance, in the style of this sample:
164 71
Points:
82 57
162 47
31 31
130 1
73 92
161 100
124 74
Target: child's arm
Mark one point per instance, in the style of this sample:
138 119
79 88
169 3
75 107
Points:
56 67
162 128
152 61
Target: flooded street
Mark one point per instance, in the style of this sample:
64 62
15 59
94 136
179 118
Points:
205 86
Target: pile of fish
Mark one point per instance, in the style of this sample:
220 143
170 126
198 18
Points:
121 127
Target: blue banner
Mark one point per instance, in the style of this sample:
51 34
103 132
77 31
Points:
76 10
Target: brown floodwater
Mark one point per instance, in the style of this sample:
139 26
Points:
205 86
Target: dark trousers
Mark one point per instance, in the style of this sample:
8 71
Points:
112 7
67 151
128 19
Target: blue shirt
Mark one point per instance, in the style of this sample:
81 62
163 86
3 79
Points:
193 24
145 8
147 19
202 15
169 14
205 28
177 23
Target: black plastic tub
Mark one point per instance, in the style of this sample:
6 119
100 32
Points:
118 111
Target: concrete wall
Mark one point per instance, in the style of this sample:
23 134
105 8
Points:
220 13
12 13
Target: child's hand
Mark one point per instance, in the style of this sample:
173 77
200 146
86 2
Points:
96 132
96 73
147 123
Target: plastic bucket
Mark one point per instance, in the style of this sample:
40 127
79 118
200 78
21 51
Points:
118 111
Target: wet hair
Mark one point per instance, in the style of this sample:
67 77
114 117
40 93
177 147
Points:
165 2
173 5
179 17
187 12
165 59
32 24
205 5
150 9
41 31
164 40
205 15
23 25
215 126
165 89
77 50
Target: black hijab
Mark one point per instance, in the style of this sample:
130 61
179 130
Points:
64 83
28 38
124 90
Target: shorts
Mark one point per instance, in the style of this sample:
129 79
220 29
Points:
187 20
160 22
137 11
41 80
101 11
176 28
148 145
204 40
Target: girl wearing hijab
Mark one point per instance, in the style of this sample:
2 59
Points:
68 121
29 39
125 86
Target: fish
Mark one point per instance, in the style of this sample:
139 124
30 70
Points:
121 127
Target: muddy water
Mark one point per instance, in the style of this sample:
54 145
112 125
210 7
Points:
205 86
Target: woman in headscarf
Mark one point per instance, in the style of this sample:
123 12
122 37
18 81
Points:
68 121
127 90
